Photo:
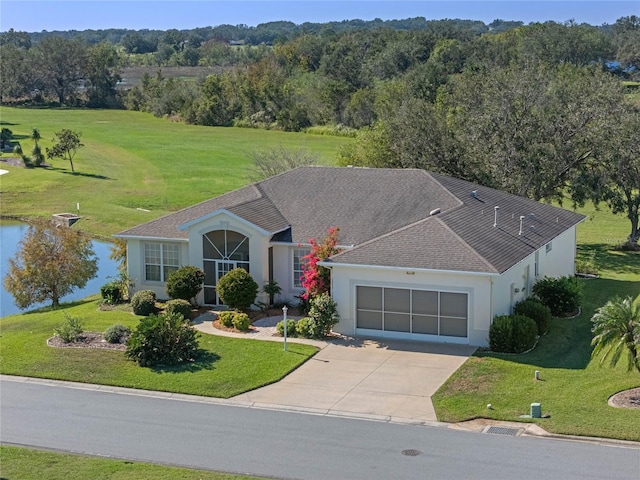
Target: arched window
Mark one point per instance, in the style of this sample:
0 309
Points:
223 250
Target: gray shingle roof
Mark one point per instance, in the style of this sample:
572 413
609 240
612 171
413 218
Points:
385 213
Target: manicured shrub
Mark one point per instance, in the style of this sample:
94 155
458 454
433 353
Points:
237 289
179 306
185 283
226 318
111 292
305 327
241 321
324 313
144 302
70 329
291 328
536 310
162 340
562 295
512 334
117 334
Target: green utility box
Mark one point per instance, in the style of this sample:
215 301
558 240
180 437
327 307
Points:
536 410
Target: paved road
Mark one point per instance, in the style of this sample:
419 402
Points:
284 444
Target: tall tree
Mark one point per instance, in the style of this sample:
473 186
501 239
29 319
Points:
528 130
51 262
614 177
67 146
103 73
61 65
616 328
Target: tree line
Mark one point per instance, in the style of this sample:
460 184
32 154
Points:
538 110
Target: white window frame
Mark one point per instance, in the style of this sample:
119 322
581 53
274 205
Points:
166 268
298 253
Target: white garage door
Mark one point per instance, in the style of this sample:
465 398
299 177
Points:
409 313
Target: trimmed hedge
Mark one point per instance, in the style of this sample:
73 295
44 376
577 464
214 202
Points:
179 306
512 334
237 289
563 295
536 310
144 302
116 333
185 283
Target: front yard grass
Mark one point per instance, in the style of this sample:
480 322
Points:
573 389
228 366
18 462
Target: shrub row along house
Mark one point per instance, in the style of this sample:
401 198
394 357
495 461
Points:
424 256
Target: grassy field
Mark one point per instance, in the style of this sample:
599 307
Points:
134 161
22 463
227 367
573 389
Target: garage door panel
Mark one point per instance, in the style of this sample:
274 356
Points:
425 313
425 324
425 302
397 322
453 304
370 320
397 300
453 327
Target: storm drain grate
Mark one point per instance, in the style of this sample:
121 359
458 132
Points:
502 430
411 452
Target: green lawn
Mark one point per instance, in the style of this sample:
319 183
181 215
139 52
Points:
573 389
131 161
227 367
23 463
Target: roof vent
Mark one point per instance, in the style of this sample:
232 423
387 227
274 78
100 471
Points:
532 228
495 221
474 193
532 216
434 212
521 222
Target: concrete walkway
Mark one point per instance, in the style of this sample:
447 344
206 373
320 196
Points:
374 378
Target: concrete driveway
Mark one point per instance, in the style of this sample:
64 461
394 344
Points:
385 379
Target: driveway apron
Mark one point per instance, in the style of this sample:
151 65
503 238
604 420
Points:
380 378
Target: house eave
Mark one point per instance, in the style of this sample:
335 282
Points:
152 239
408 270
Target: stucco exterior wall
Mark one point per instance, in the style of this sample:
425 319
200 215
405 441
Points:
283 272
135 265
516 284
258 246
344 280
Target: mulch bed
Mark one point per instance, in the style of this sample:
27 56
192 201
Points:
86 340
626 399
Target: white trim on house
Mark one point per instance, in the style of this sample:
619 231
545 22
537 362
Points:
152 239
409 271
224 211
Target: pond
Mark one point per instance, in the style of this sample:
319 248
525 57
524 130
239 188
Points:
10 236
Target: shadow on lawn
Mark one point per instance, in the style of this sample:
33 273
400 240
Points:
204 361
606 258
567 345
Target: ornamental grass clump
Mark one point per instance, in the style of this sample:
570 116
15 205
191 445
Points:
70 330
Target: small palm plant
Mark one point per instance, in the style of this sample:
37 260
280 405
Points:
616 328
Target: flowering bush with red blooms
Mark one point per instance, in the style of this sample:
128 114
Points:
316 278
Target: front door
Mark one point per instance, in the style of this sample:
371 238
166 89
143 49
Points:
222 268
223 250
